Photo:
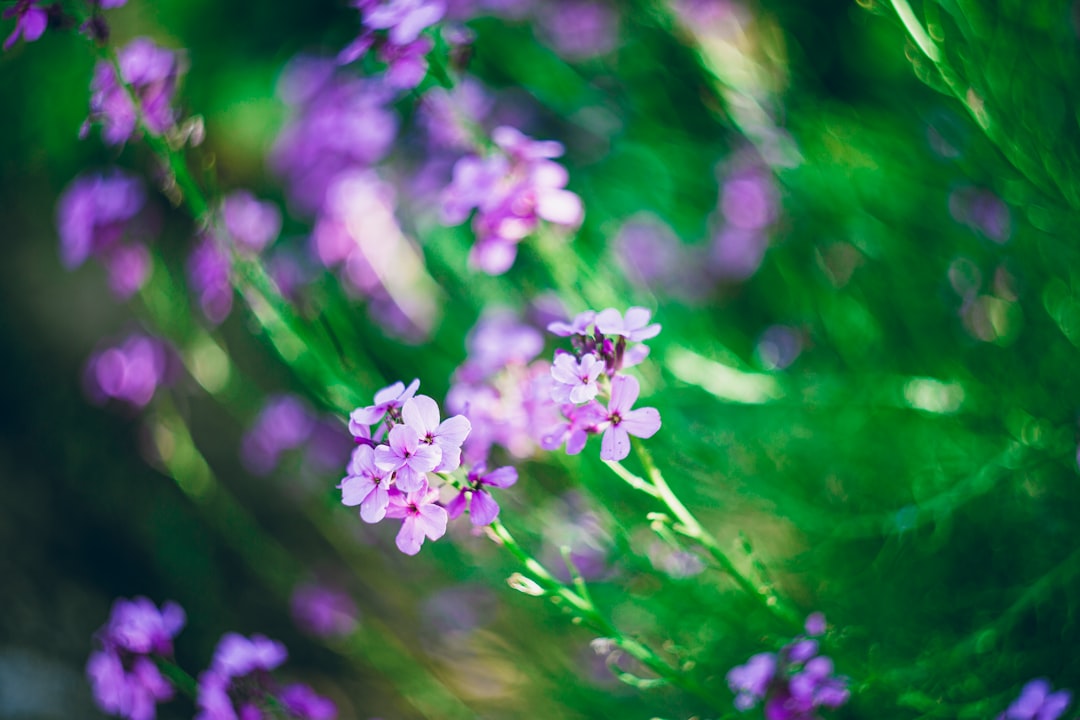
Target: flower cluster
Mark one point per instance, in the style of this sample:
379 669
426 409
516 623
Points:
601 351
403 448
511 189
238 684
123 676
127 681
98 216
793 683
392 28
150 73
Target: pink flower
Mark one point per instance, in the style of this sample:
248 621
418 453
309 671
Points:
422 517
366 485
409 458
634 327
421 413
482 507
389 398
575 381
624 422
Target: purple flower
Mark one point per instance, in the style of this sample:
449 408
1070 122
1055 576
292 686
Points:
580 422
151 72
575 381
1036 702
409 459
634 327
497 340
511 192
284 423
623 421
131 371
481 506
751 681
578 326
579 30
366 485
30 21
422 517
339 124
421 413
389 399
323 611
208 269
393 28
302 702
123 677
794 683
251 223
93 216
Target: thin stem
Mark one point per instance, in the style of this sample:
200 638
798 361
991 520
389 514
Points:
583 608
179 677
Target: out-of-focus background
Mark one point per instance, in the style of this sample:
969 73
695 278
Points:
864 267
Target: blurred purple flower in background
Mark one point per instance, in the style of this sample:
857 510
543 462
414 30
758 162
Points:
285 423
151 72
392 28
94 216
337 124
130 372
123 676
208 269
779 346
1036 702
578 29
982 211
30 21
251 223
323 611
477 499
748 208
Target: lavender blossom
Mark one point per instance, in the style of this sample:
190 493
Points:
421 517
624 421
421 413
388 400
285 423
252 224
409 459
392 28
123 676
238 686
151 73
323 611
30 21
481 506
94 217
208 269
793 683
366 485
511 192
130 372
575 380
1036 702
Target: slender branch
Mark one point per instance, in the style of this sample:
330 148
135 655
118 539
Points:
915 29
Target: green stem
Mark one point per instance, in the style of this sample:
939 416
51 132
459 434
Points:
583 608
915 29
177 676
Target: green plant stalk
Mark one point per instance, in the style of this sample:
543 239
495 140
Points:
688 526
583 608
915 29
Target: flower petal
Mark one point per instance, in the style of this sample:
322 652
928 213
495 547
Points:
432 519
642 423
483 509
502 477
373 507
624 393
616 444
421 413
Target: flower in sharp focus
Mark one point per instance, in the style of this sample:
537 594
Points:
625 421
389 399
634 326
481 505
151 73
421 413
1036 702
409 459
366 485
30 21
575 380
421 517
123 676
578 326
